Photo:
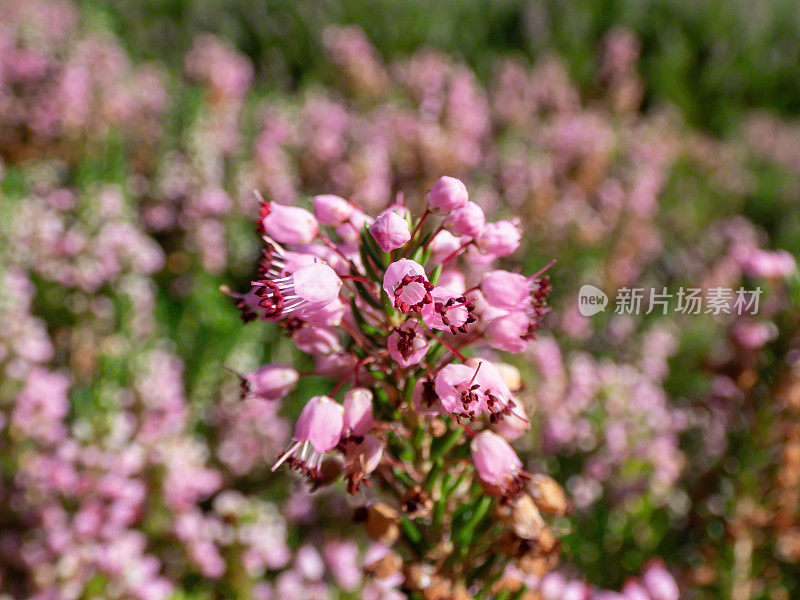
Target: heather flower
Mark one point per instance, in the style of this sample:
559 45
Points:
498 466
320 425
509 332
272 381
500 238
390 231
468 220
317 340
357 412
448 311
407 285
304 291
407 344
288 224
448 194
332 210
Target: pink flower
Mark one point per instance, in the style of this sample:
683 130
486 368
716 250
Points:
513 424
469 391
468 220
509 332
390 230
343 562
500 238
632 590
407 285
660 584
289 224
426 401
357 412
320 424
407 344
306 290
448 194
498 466
509 291
273 381
443 245
317 340
332 210
448 311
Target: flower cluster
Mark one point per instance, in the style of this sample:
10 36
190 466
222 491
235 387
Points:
404 334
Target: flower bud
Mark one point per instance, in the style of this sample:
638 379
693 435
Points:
290 224
390 230
332 210
468 220
500 238
448 194
272 382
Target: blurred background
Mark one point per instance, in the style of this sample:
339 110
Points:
652 143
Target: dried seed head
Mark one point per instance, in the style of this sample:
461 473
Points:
548 495
382 523
523 517
384 567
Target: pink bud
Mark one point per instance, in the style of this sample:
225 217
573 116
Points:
321 422
509 332
468 220
290 224
448 194
509 291
390 230
407 344
272 382
332 210
357 412
497 464
500 239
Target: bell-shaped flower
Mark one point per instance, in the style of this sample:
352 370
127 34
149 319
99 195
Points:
498 466
407 285
318 431
407 344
